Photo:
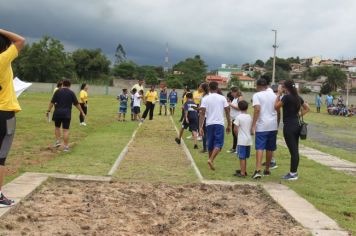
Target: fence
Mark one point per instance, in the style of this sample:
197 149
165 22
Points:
114 91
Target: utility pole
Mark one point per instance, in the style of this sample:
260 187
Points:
274 57
166 60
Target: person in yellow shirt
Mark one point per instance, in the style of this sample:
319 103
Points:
184 100
83 102
197 95
151 98
10 46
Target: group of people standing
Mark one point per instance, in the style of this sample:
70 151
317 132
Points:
206 118
137 97
338 109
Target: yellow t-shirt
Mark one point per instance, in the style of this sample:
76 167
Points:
151 96
185 99
197 97
83 96
8 99
55 90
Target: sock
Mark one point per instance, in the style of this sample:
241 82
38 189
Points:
293 173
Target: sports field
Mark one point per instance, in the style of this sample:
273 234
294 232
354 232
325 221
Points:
154 158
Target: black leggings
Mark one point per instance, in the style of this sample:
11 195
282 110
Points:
291 133
85 109
234 142
7 131
150 107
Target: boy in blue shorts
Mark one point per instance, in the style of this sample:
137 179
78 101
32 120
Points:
123 99
243 124
173 100
163 97
190 120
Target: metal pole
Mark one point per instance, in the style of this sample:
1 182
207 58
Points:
347 90
274 57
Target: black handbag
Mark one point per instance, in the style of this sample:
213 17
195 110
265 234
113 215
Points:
303 128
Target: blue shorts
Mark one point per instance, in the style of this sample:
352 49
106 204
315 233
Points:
266 140
172 105
215 136
122 110
163 103
243 152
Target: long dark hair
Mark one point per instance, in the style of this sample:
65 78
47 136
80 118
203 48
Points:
205 88
4 43
290 86
83 86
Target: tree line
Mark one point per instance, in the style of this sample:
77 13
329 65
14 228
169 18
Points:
47 61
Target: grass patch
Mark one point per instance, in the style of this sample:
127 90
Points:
332 192
155 157
94 148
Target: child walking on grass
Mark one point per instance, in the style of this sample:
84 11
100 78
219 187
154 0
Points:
190 120
138 96
123 99
243 124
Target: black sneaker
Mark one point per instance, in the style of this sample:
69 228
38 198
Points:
257 175
266 173
195 146
231 150
240 175
4 202
177 140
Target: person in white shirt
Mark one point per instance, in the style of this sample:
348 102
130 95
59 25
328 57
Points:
213 107
234 112
243 124
264 126
137 104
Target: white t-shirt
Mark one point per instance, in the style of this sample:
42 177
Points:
267 120
214 104
244 122
234 112
137 100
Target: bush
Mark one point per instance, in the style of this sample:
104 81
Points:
305 90
174 82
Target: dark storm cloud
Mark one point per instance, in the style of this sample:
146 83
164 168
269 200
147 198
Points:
226 31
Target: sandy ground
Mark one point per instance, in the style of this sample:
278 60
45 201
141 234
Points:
118 208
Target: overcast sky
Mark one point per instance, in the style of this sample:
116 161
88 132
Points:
221 31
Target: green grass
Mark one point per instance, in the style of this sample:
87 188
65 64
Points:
332 192
155 157
94 148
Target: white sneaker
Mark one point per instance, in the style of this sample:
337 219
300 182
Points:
83 124
189 137
66 149
57 144
199 138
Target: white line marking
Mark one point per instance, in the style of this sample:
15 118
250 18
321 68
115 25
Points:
123 153
189 155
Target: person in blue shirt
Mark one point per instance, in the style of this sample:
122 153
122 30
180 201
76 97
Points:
329 100
191 120
318 102
123 99
173 100
163 97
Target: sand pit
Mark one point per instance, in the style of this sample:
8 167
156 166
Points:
89 208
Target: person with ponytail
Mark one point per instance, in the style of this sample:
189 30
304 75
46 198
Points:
293 107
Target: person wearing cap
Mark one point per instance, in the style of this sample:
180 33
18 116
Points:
264 126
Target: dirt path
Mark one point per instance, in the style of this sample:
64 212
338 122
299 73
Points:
155 157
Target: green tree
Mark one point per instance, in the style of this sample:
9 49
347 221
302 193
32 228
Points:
259 63
91 64
174 82
120 54
193 71
336 78
126 70
235 82
44 61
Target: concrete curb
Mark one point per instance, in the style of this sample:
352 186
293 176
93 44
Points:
189 155
325 159
123 153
